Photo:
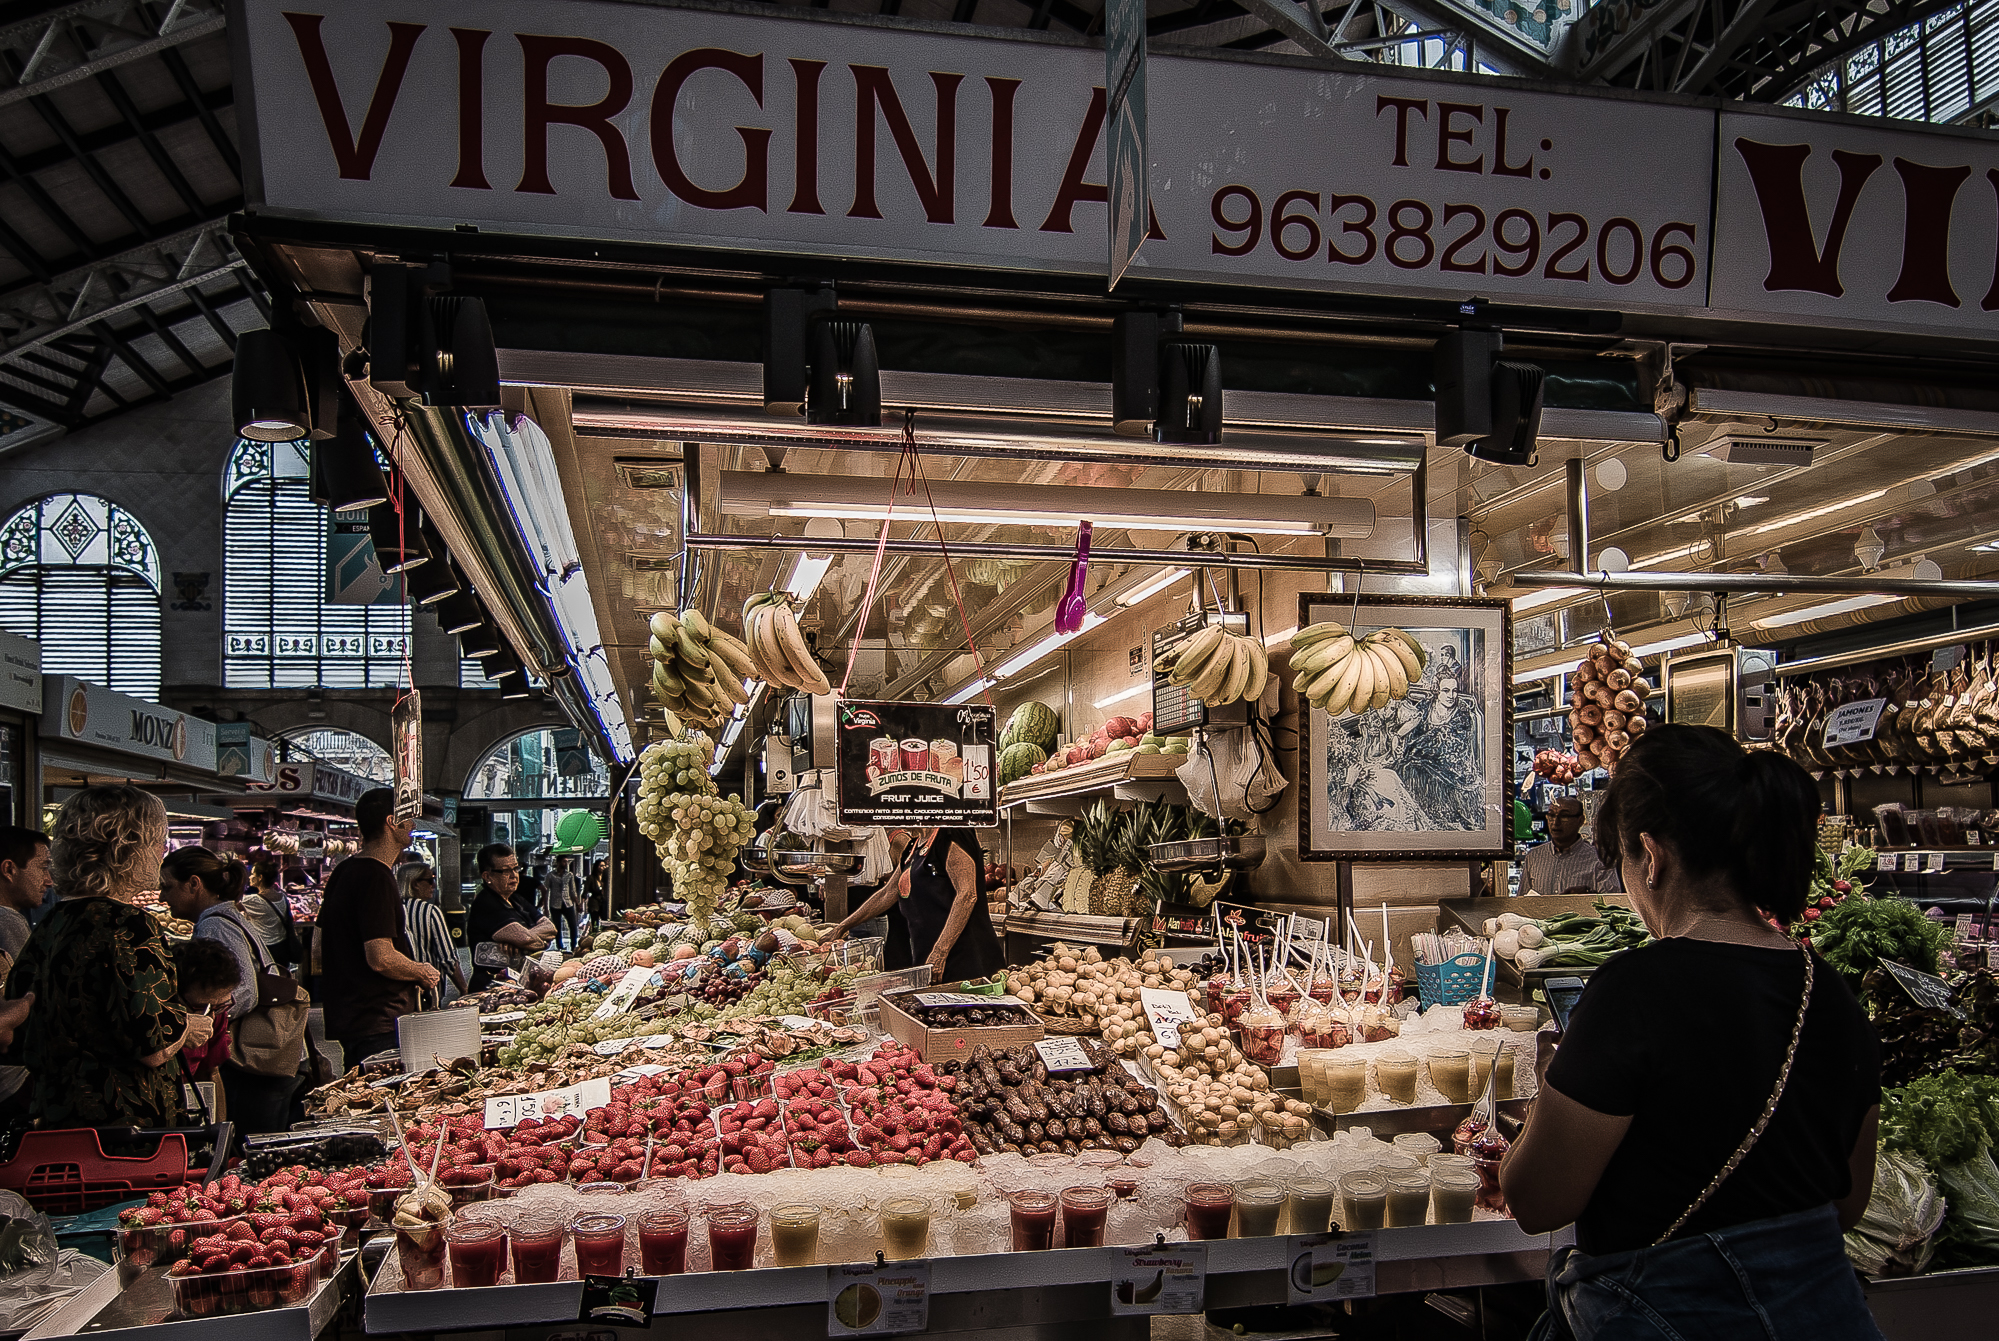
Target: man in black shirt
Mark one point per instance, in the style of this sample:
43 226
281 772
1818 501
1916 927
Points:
499 915
368 975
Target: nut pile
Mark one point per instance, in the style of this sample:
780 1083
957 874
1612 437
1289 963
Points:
1083 986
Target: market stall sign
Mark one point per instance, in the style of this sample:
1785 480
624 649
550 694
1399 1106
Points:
1166 1011
321 782
20 673
406 730
1064 1054
1327 1267
879 1299
923 764
934 1000
510 1110
1925 989
620 998
77 710
1851 723
1161 1278
838 135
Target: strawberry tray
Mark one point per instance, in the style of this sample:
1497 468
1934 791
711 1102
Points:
145 1311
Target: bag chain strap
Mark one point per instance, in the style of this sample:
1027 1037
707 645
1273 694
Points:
1769 1111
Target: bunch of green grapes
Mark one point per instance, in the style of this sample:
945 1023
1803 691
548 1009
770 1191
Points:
786 991
697 830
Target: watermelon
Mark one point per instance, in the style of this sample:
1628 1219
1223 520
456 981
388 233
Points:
1017 760
1031 724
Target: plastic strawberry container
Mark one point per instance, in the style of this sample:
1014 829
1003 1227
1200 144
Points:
250 1290
162 1245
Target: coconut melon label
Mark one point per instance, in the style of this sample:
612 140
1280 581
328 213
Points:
1327 1267
877 1299
1167 1278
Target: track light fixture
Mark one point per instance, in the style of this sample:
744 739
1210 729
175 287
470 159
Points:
845 388
459 612
427 345
517 687
1489 406
788 317
501 664
480 641
463 366
399 542
267 392
345 474
431 583
1190 393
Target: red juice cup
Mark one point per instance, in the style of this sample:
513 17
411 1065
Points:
536 1242
478 1252
1083 1212
1210 1206
1033 1215
1123 1180
663 1242
732 1236
600 1245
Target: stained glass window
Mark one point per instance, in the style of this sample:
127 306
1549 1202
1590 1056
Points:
80 575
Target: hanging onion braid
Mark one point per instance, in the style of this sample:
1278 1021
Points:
106 841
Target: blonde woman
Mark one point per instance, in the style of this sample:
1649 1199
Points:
107 996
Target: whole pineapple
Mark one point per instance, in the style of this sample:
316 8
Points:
1162 823
1111 893
1082 847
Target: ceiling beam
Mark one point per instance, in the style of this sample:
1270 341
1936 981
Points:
56 52
1496 44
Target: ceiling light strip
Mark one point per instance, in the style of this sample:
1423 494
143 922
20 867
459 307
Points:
1780 583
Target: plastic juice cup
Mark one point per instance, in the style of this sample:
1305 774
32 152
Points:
1446 1159
535 1239
905 1223
794 1234
1419 1145
420 1253
1311 1074
1346 1083
1033 1215
1309 1205
1210 1207
478 1252
1408 1198
382 1202
1450 1072
663 1242
732 1236
1453 1192
1482 1066
1258 1205
1363 1200
1395 1074
600 1244
1522 1019
1084 1210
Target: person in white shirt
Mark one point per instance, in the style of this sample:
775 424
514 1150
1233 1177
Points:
1567 863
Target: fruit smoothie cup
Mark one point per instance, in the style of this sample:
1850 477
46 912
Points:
1345 1083
663 1242
1482 1067
1450 1072
1308 1205
1210 1207
1395 1074
905 1225
1258 1205
420 1253
1408 1198
732 1236
1418 1145
600 1244
1363 1200
1084 1210
794 1235
535 1240
478 1252
1453 1193
1033 1215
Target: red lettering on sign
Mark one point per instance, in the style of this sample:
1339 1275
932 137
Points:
471 109
1403 107
538 113
355 155
1074 190
805 185
1778 172
1500 167
999 212
937 191
752 188
1927 195
1448 135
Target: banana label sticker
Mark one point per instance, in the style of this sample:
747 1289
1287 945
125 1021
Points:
1169 1278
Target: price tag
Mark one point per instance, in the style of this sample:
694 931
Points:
1329 1266
611 1047
1166 1011
1309 929
641 1071
1064 1054
552 959
504 1017
1946 658
619 999
796 1021
513 1109
1852 723
1169 1278
877 1299
1962 932
1925 989
1933 863
1888 863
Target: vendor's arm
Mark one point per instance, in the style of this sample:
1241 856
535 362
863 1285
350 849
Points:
964 873
385 959
1861 1161
878 904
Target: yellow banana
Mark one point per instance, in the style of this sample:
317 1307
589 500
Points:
1392 666
1322 655
1344 688
1412 669
690 649
1422 652
1311 634
696 622
664 626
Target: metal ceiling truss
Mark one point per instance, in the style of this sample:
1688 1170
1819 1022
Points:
80 40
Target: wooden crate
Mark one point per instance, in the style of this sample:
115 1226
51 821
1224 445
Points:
937 1045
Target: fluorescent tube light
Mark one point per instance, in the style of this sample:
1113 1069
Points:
807 572
1546 596
771 494
1144 687
1145 591
970 691
1670 645
1020 661
1282 636
1799 518
1844 606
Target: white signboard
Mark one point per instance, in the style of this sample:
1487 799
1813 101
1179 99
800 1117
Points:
1167 1011
74 709
1851 723
511 1109
20 673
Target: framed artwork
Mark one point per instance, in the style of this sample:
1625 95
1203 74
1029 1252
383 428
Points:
1427 777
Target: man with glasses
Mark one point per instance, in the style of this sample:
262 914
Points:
499 916
430 932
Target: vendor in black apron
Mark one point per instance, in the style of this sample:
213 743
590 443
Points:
941 889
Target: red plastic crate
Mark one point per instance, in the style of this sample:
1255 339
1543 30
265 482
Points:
69 1173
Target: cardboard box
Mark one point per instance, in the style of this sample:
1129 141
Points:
937 1045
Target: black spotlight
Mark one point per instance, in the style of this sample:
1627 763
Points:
846 387
1190 393
1489 406
431 583
267 389
345 475
788 315
501 664
463 368
319 359
459 612
399 542
517 688
480 641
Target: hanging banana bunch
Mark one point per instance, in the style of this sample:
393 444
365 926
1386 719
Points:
1217 666
777 647
1339 674
697 669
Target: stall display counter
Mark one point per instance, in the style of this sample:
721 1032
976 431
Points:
144 1311
1943 1304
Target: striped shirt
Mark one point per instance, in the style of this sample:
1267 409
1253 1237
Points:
1546 871
430 936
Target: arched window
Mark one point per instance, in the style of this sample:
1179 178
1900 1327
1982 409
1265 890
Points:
280 629
79 574
349 750
546 764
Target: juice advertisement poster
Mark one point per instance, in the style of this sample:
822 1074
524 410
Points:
926 764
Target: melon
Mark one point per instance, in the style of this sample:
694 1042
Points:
642 958
1017 760
604 966
567 971
684 951
1031 724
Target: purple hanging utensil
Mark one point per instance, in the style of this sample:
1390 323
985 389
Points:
1069 613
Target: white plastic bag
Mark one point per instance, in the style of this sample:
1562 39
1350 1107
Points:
1231 775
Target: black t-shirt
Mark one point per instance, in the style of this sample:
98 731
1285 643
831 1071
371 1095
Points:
1687 1037
361 905
490 912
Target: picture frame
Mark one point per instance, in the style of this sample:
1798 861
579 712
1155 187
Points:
1428 777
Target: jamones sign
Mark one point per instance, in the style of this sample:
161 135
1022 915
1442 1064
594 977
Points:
821 137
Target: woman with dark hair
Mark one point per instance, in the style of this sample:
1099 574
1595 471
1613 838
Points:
205 888
1720 1218
106 995
941 890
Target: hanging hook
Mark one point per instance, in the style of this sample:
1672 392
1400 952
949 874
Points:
1360 573
1671 451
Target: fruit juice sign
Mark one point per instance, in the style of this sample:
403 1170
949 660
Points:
879 1299
1330 1266
924 764
1165 1278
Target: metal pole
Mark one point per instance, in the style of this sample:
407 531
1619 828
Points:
1777 583
1907 647
1161 558
1578 496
